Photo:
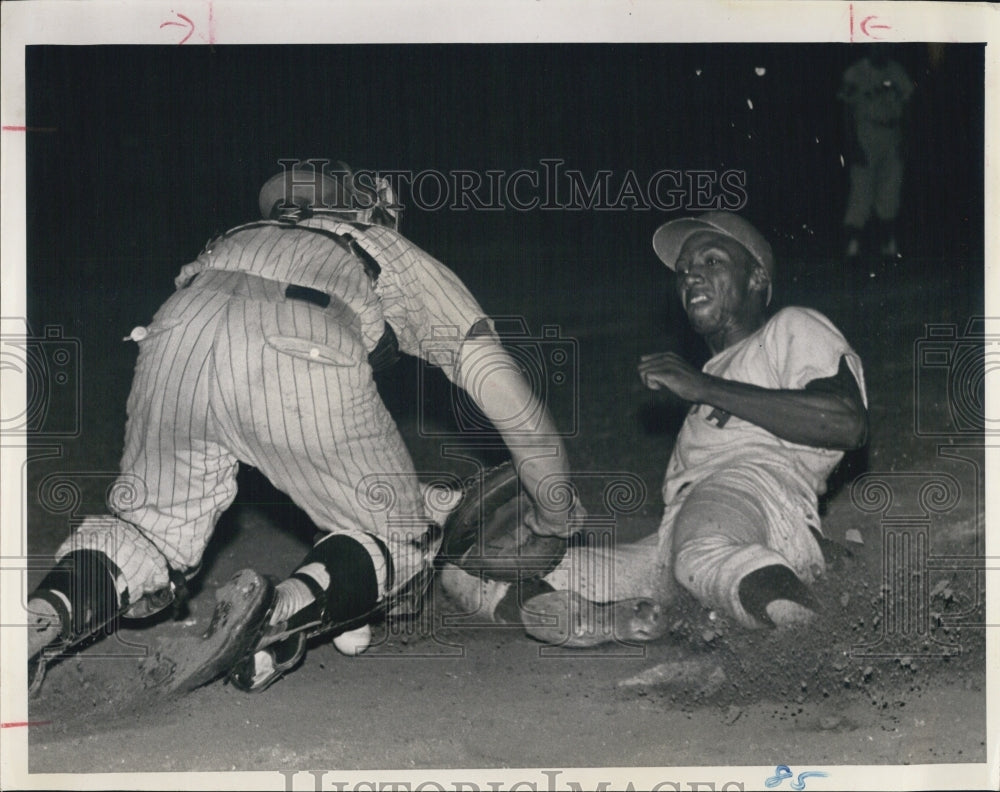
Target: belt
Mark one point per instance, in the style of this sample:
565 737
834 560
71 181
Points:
307 294
247 284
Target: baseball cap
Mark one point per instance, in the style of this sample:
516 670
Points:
670 237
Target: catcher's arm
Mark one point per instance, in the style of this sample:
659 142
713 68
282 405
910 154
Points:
490 376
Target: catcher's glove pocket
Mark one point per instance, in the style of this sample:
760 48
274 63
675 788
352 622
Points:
488 534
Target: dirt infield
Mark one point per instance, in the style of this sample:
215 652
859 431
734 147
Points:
433 694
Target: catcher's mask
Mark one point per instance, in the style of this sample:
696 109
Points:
306 189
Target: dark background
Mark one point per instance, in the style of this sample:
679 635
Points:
144 152
153 148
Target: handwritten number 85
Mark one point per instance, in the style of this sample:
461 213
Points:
781 772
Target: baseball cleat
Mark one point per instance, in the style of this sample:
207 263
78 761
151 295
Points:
241 607
278 647
567 619
258 671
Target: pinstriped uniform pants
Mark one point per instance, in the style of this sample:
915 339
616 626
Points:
231 371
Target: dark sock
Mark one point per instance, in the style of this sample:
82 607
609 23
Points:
764 585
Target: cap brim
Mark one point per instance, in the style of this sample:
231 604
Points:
670 237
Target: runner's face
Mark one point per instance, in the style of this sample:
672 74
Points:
713 282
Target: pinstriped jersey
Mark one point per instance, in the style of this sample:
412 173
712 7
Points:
237 368
415 293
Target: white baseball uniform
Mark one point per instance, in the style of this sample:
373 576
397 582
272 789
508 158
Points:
243 363
737 498
877 96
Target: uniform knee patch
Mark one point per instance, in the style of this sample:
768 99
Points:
351 585
81 588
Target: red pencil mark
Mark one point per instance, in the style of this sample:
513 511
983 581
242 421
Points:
186 23
27 129
18 724
867 26
211 23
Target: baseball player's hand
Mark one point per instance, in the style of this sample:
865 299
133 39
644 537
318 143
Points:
562 523
669 370
494 533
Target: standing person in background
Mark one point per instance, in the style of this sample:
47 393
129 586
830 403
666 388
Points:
875 91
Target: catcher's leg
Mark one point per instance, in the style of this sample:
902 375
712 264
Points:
82 598
106 569
303 408
345 581
177 478
76 600
174 482
335 591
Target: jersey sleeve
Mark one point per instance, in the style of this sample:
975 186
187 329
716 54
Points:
804 345
428 306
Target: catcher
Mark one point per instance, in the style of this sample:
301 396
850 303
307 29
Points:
265 354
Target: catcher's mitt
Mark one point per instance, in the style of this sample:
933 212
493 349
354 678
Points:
486 534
